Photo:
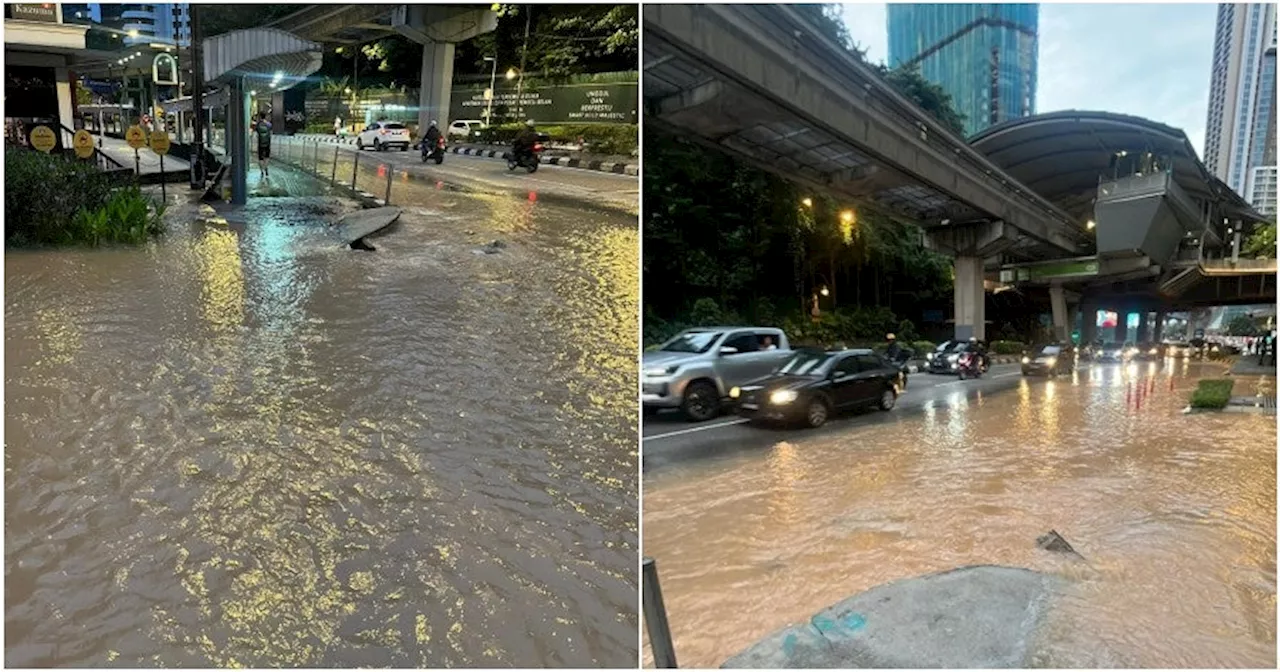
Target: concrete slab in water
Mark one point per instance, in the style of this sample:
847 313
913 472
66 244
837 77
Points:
357 225
972 617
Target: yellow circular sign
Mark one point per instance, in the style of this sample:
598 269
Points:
43 139
160 142
136 138
83 144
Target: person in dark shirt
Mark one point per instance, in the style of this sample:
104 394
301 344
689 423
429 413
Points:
893 351
430 138
526 139
262 129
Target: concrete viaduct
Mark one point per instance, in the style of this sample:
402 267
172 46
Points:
760 82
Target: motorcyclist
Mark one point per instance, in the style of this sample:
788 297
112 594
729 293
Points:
893 350
524 142
980 350
431 138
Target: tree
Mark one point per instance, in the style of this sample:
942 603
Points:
563 40
219 19
1243 325
1262 242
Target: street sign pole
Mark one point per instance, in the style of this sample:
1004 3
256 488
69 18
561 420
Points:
164 196
197 100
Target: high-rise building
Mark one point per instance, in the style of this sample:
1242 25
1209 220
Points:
983 55
1240 130
168 23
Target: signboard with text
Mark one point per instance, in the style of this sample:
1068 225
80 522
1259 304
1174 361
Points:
616 103
46 12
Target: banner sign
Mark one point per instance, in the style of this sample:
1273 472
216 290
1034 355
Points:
570 103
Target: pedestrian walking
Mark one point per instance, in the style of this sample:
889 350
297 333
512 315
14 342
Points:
263 130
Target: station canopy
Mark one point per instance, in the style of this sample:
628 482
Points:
1063 155
269 59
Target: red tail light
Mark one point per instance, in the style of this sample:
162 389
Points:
537 146
382 132
440 142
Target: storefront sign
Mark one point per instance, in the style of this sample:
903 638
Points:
46 13
136 138
164 70
160 142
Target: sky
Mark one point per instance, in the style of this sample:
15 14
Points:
1147 60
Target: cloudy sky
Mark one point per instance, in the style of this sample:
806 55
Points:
1146 60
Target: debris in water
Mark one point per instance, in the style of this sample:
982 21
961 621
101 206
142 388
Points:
1052 541
362 245
493 247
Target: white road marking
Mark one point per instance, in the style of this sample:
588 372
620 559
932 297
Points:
701 428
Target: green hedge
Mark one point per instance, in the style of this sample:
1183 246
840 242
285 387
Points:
1213 393
616 139
923 348
51 200
1008 347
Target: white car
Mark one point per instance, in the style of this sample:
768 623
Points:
465 127
383 134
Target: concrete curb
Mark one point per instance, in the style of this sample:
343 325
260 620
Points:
631 169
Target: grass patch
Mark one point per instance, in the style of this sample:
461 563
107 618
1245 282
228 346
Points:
1212 394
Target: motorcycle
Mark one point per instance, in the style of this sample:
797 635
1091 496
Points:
970 365
528 160
436 153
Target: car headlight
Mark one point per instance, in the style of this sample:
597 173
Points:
1026 360
660 371
1152 351
735 392
929 356
953 358
783 397
1052 361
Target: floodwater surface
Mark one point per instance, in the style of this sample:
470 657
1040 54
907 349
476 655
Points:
247 446
1175 514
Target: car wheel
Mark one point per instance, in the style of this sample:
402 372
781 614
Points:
817 413
701 402
887 400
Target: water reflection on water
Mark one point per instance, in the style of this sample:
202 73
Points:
1176 514
248 446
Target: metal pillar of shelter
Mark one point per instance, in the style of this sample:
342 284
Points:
266 59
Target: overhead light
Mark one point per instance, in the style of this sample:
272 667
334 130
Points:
1090 225
808 202
946 222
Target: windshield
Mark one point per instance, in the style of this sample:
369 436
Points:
1051 350
959 347
692 341
805 364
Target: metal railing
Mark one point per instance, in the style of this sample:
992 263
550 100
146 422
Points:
329 162
655 617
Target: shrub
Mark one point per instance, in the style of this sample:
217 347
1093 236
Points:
923 348
126 217
1008 347
43 194
1213 393
617 139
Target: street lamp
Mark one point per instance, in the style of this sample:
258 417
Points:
847 216
1091 225
493 82
511 74
808 202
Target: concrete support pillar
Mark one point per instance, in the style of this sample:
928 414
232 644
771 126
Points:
1088 322
437 85
1058 301
1158 334
66 112
1122 325
971 300
1073 316
238 140
1144 327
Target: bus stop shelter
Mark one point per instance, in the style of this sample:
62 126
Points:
245 63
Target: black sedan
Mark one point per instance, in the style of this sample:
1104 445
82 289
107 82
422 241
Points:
814 384
1049 360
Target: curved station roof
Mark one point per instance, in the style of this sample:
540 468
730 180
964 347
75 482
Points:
1062 155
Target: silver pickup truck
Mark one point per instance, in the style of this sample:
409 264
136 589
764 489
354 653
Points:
695 370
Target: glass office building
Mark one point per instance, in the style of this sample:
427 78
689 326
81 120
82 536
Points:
984 56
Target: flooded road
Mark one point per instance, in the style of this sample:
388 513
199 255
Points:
1175 513
246 446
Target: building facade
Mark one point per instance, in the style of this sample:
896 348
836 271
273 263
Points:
1240 129
984 56
168 23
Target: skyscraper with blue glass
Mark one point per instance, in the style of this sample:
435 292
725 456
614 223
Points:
984 56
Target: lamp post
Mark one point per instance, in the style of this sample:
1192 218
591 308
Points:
493 82
197 101
524 53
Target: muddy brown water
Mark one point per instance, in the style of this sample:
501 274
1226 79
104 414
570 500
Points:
1175 513
245 445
